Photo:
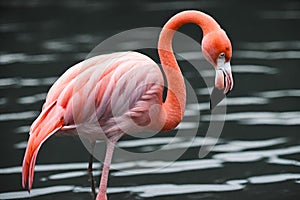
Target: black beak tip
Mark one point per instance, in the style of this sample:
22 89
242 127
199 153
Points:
216 97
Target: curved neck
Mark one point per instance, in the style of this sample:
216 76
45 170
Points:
174 105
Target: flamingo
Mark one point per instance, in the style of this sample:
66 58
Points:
122 93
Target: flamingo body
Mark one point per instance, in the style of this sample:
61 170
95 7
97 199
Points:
90 92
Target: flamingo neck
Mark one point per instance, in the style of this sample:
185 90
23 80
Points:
174 105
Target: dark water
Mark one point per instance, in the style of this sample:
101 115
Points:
258 153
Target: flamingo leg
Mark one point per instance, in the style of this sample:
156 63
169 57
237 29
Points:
90 171
110 145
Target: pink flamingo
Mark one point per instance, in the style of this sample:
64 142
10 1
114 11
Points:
94 93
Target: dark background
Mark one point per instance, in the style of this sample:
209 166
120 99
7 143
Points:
39 40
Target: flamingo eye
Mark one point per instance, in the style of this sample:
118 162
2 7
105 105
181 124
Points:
222 55
221 59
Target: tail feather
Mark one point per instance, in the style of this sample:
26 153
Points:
44 127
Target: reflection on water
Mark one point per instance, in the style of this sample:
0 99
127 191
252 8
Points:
255 118
278 55
237 154
26 82
282 161
24 58
35 192
258 154
66 175
254 69
32 99
169 189
251 156
245 145
273 45
18 116
160 189
3 101
280 93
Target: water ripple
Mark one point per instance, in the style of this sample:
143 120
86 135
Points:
148 141
18 116
67 175
274 45
172 143
11 27
3 101
225 146
32 99
282 161
156 190
250 156
35 192
50 167
243 54
254 69
11 58
254 118
273 178
230 101
22 129
245 145
58 46
20 145
172 189
26 82
280 93
159 167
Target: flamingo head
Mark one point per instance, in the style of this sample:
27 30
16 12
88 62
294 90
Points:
216 48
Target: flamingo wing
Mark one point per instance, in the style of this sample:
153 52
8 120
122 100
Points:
105 89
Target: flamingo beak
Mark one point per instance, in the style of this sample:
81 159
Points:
223 84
